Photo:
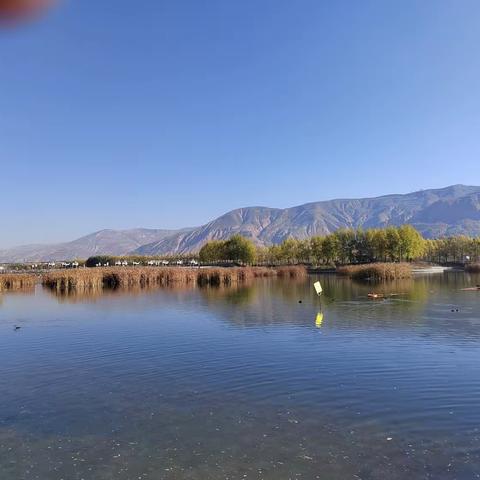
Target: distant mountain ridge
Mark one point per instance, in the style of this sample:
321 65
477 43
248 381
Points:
449 211
452 210
104 242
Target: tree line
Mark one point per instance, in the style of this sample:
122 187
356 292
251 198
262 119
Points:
458 249
237 249
346 246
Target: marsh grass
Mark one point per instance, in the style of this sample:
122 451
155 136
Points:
377 271
99 279
294 271
17 281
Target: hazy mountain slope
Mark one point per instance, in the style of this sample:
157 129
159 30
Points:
447 211
249 222
114 242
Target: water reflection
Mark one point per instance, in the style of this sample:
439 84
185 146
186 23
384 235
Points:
243 382
93 295
319 320
284 301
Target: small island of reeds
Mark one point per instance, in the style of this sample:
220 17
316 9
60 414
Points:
377 271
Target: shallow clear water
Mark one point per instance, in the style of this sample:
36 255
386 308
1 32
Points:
243 383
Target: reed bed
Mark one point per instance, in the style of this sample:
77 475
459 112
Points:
377 271
17 281
223 276
98 279
473 268
294 271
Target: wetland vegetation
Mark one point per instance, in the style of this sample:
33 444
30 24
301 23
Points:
20 281
372 254
111 278
377 271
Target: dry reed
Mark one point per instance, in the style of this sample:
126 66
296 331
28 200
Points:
377 271
17 281
97 279
294 271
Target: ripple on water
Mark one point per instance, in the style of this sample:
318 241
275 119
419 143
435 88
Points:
169 385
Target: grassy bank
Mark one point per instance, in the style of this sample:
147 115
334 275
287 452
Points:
111 278
20 281
377 271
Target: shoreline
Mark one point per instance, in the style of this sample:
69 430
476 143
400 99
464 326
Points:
65 279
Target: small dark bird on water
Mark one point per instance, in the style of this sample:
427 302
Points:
16 327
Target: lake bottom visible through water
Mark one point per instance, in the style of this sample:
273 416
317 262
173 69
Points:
244 382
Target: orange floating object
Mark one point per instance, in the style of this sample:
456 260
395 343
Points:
375 295
17 10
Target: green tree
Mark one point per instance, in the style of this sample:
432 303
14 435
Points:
240 249
379 244
275 254
331 248
410 243
304 252
393 241
213 251
289 251
316 250
100 259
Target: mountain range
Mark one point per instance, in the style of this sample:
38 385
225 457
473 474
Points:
435 213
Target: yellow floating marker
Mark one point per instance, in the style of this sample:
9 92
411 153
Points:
319 320
318 288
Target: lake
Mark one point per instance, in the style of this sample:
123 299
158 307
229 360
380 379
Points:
243 383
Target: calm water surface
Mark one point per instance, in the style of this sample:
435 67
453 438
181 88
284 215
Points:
244 383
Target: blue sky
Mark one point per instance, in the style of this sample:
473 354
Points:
169 113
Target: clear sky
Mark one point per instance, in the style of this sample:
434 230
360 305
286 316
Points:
154 113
